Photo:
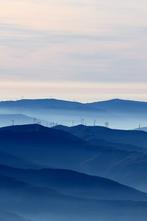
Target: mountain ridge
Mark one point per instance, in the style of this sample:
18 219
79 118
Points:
119 113
70 183
52 148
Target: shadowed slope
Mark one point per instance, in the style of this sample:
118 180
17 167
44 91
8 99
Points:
137 140
51 148
74 184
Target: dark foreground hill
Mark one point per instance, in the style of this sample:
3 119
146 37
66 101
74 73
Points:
72 183
125 167
62 195
132 139
38 181
42 147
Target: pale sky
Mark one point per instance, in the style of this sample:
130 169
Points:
83 50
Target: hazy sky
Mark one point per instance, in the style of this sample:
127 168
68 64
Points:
73 49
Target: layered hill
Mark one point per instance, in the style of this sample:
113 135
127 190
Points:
71 183
123 139
18 119
123 155
115 105
53 174
51 148
119 113
45 204
61 194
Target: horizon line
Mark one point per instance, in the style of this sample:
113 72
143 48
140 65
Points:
71 100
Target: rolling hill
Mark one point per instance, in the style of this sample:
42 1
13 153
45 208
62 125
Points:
73 184
131 140
115 105
52 148
124 152
52 174
34 200
119 113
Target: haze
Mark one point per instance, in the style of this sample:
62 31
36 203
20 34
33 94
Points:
75 49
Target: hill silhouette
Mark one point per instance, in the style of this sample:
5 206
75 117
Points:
51 148
119 113
49 173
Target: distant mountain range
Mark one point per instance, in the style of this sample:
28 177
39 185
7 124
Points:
115 105
119 113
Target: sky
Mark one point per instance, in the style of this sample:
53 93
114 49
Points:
73 49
